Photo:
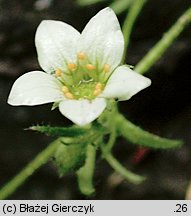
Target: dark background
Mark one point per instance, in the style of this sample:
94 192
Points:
163 109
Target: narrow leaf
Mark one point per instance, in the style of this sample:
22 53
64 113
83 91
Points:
140 137
60 131
123 171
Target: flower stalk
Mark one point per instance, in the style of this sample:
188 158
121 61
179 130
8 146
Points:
134 10
111 123
86 173
169 37
123 171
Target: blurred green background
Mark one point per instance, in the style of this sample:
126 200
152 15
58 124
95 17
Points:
163 109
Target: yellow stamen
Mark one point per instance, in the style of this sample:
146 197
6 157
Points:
81 55
69 95
72 66
58 72
65 89
97 92
98 86
90 67
106 68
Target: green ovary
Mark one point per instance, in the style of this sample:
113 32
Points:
84 90
83 80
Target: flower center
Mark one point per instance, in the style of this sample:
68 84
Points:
83 79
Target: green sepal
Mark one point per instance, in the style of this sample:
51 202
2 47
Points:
69 158
55 105
60 131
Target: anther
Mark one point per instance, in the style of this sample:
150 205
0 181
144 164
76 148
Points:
69 95
58 72
72 66
81 55
65 89
106 68
98 86
97 92
90 67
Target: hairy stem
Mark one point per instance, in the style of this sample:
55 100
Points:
128 175
85 174
113 128
37 162
169 37
129 22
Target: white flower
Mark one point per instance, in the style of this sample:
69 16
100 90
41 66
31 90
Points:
82 70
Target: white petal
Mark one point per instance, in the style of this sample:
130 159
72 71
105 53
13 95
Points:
35 88
56 44
102 39
124 83
82 112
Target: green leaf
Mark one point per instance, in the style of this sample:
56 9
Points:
60 131
70 158
120 5
88 2
140 137
71 154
